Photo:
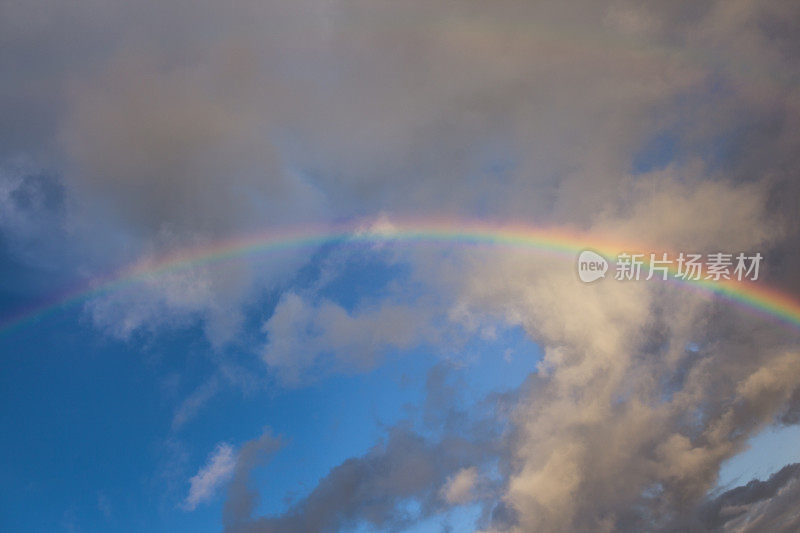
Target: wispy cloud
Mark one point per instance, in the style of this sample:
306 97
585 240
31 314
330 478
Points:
211 476
190 406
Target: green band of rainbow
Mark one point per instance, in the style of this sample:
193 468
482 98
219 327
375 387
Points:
754 296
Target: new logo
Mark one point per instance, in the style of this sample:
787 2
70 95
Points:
591 266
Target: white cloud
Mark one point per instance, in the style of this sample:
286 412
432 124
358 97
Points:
460 487
218 470
619 406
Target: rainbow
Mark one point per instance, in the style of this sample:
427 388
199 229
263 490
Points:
560 242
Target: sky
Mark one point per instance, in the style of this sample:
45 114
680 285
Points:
311 266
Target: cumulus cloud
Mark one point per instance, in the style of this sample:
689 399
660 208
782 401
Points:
155 302
301 333
623 426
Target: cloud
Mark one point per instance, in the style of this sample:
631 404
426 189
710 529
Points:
303 337
370 488
410 465
241 497
623 426
104 505
175 300
669 123
190 406
459 487
219 468
32 212
769 505
218 122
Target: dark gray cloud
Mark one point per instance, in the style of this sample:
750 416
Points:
178 123
769 505
371 489
242 497
412 464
